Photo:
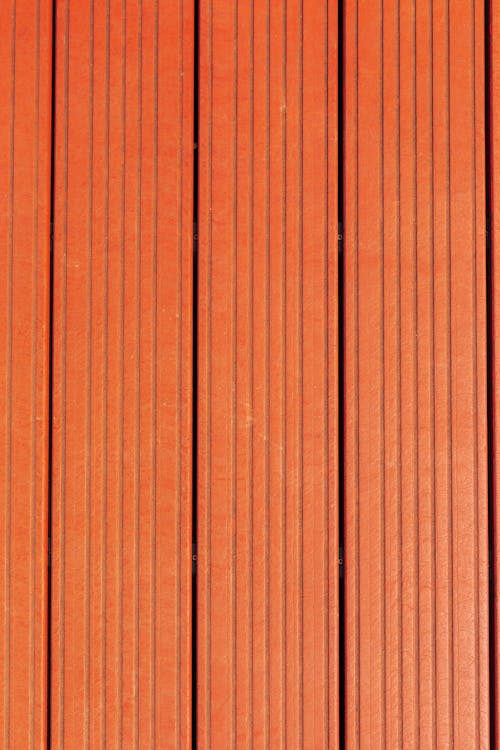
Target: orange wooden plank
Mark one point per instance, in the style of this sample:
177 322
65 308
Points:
25 109
267 463
121 607
415 389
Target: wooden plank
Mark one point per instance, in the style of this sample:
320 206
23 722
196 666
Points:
121 596
416 434
25 109
268 450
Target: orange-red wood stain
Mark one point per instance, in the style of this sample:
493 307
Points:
415 376
144 385
25 168
122 376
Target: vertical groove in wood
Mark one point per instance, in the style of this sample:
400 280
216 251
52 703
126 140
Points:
25 164
416 443
494 166
121 624
267 463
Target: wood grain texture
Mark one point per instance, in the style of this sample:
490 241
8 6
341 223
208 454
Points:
122 461
415 388
268 364
25 131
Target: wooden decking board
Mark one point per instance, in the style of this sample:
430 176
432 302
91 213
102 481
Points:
121 567
267 408
415 369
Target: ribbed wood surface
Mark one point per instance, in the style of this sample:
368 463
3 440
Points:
121 568
415 376
25 110
96 560
268 364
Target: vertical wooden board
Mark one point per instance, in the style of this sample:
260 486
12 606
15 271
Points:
122 460
25 109
415 376
268 364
